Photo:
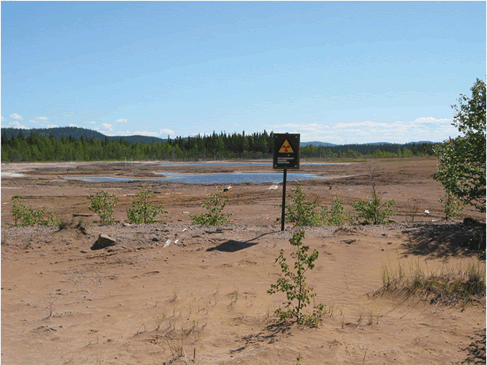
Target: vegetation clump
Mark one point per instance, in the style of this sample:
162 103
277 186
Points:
446 287
214 215
375 210
27 216
336 214
143 211
461 160
103 204
301 211
294 285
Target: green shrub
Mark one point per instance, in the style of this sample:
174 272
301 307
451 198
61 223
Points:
26 216
375 210
336 215
214 216
452 206
294 285
301 211
103 204
143 211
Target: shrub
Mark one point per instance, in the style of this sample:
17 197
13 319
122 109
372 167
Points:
374 211
294 285
214 216
301 211
336 215
103 204
452 207
143 211
26 216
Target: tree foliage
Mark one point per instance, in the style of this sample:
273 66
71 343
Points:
461 160
214 215
143 211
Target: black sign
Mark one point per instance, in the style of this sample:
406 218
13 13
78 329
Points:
286 151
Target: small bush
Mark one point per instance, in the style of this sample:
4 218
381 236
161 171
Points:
375 210
214 216
26 216
336 215
294 285
143 211
301 211
103 204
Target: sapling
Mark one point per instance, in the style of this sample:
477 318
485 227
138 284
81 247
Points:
103 204
143 211
214 206
294 285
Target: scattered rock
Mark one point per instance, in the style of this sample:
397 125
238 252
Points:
103 241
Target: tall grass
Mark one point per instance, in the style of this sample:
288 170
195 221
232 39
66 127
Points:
443 287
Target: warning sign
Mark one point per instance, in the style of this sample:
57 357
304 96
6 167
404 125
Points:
286 148
286 151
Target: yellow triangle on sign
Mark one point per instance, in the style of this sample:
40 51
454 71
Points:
286 148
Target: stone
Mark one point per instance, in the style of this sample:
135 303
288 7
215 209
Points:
103 241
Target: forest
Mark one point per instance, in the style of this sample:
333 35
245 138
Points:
36 147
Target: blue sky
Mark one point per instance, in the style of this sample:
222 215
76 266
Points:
339 72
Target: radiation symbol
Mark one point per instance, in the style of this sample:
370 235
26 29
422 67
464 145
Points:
286 148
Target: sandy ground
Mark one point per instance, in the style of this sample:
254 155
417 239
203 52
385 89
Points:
202 291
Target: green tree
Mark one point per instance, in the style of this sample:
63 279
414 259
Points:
375 210
214 206
461 160
103 204
302 211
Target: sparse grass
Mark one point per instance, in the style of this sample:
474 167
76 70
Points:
444 287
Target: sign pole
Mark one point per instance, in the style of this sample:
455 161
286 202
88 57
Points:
283 215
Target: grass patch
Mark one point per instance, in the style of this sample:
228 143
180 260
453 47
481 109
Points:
444 287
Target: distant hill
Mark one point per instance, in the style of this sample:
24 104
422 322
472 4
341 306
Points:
77 133
317 144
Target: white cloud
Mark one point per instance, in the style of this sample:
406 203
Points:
16 116
201 134
431 120
51 126
3 119
41 118
121 121
106 126
34 122
93 122
16 125
165 132
73 125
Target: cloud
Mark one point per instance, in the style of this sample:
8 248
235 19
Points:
3 119
41 118
93 122
121 121
106 126
34 122
16 125
165 132
51 126
16 116
73 125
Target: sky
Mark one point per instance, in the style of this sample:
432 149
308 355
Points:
338 72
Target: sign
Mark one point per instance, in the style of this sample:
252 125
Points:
286 151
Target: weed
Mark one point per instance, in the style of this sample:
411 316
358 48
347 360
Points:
214 216
412 210
143 211
26 216
294 285
103 204
374 211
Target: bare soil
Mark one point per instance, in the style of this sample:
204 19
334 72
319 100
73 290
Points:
178 293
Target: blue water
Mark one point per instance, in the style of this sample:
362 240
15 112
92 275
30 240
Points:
233 164
232 178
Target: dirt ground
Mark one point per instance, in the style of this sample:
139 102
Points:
179 293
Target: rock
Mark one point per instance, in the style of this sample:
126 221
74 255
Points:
469 220
155 239
103 241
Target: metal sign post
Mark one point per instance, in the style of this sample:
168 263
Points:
286 156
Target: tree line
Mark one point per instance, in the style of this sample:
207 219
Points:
40 148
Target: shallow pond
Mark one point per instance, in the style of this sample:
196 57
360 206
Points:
230 178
